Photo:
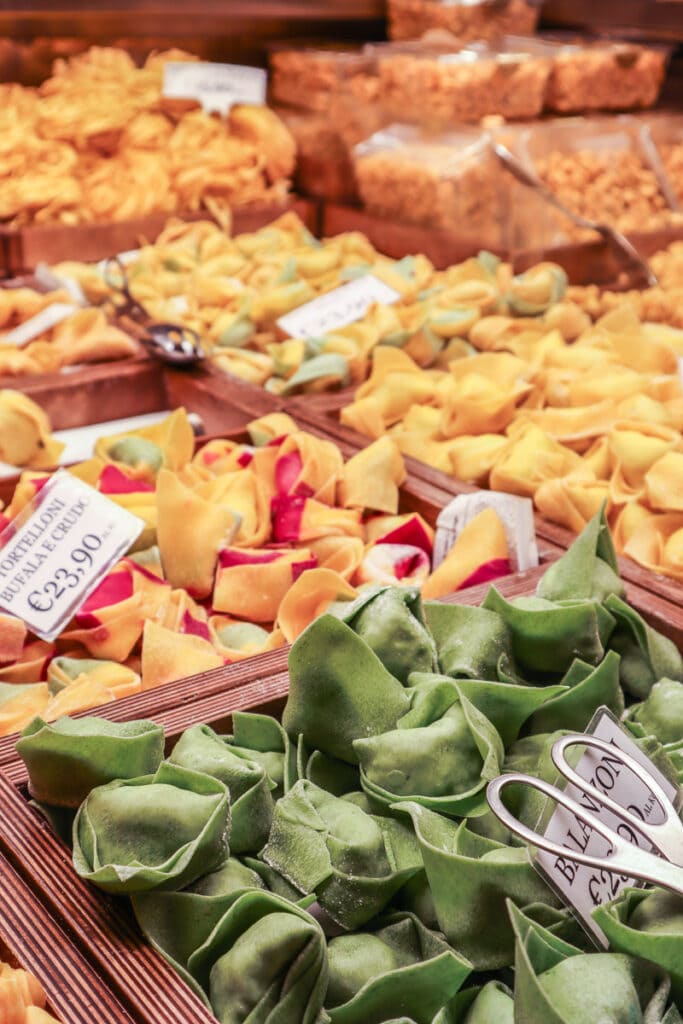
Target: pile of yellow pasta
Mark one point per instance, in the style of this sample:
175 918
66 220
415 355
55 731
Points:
99 142
84 336
22 999
232 290
567 420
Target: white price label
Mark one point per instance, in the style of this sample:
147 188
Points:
57 550
583 888
38 324
516 515
338 308
218 87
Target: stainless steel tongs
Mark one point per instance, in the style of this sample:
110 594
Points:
663 867
614 238
172 343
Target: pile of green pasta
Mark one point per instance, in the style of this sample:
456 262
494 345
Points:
344 866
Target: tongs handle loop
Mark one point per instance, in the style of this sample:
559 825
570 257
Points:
120 284
666 836
624 858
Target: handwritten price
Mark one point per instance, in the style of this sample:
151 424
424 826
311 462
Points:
43 600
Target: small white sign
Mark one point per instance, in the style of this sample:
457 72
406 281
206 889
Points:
51 281
338 308
516 515
57 550
38 324
218 87
583 888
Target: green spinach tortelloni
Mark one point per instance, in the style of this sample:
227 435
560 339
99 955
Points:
470 877
397 967
265 960
441 760
557 983
647 924
249 786
354 862
68 758
339 690
158 831
391 621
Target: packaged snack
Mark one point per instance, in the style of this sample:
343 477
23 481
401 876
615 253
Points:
466 19
450 181
441 85
605 75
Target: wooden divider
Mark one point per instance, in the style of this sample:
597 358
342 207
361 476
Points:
31 939
21 249
104 928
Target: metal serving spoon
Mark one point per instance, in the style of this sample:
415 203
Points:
172 343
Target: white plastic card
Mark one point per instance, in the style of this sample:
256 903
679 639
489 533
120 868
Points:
338 308
58 549
38 324
581 887
218 87
516 514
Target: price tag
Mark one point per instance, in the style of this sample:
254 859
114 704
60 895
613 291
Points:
581 887
51 281
338 308
516 515
218 87
38 324
56 551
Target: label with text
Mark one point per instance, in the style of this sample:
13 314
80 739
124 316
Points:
39 324
515 513
218 87
338 308
581 887
58 549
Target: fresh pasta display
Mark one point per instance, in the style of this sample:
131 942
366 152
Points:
244 543
84 146
343 864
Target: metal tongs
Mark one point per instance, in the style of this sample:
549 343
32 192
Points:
614 238
172 343
663 867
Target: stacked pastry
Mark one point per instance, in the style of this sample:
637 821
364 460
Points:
85 146
243 545
343 866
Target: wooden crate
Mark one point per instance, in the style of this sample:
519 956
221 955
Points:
324 410
105 930
415 495
111 392
21 249
590 262
31 939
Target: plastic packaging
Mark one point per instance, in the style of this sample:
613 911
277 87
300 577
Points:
308 76
466 19
597 167
450 181
605 75
439 84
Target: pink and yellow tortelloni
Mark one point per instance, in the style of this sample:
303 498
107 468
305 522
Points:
245 542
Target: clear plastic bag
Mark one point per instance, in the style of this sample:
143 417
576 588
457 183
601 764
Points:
439 84
466 19
308 76
450 181
605 75
599 168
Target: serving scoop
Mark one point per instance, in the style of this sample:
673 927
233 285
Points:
618 242
172 343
